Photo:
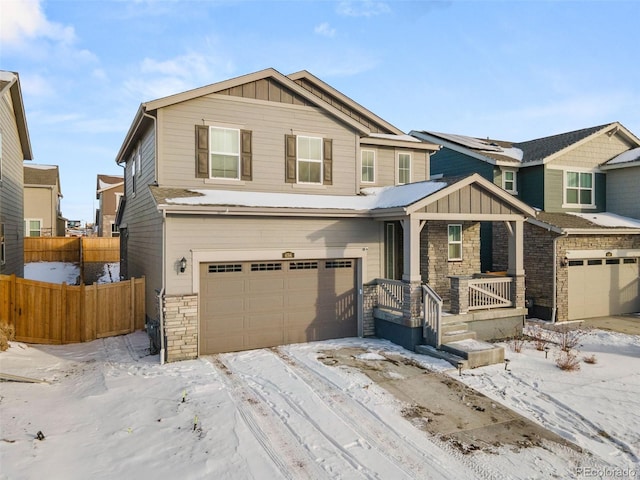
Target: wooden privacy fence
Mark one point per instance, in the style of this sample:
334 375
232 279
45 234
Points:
54 313
71 249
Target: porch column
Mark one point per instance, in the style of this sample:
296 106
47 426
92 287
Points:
515 269
515 231
412 292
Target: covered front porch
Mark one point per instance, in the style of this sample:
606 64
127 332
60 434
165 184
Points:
439 300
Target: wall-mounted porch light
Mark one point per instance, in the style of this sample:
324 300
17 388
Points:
564 262
183 264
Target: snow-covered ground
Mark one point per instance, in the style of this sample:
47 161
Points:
110 410
69 273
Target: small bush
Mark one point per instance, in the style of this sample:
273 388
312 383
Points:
539 337
567 361
7 334
517 343
569 338
591 359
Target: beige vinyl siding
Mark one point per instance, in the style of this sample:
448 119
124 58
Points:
144 224
387 165
41 202
622 191
277 235
11 190
593 153
269 123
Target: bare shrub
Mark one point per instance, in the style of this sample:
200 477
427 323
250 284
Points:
591 359
569 338
539 337
7 334
567 361
517 343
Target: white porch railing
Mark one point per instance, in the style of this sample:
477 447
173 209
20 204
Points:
390 294
432 312
490 293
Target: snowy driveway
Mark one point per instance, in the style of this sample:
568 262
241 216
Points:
109 411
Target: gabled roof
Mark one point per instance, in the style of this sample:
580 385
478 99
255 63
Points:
105 182
586 223
532 152
46 175
11 81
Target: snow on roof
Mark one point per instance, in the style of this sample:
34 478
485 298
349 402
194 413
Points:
512 152
607 219
391 136
624 157
371 198
483 146
103 185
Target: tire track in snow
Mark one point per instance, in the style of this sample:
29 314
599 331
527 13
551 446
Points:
422 461
295 464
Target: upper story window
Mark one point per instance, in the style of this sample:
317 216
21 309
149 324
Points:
404 168
509 181
579 189
115 231
224 149
454 239
368 166
309 159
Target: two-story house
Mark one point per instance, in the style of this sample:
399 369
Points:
581 256
109 192
623 180
42 196
15 147
270 209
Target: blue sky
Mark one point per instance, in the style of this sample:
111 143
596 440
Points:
513 70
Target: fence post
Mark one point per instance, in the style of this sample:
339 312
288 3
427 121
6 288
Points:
12 301
62 316
132 310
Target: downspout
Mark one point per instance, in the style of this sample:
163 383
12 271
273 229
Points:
554 308
160 296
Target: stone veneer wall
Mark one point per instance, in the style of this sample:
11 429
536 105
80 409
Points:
369 301
434 254
181 327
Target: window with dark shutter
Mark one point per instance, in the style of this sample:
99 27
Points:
246 151
290 159
327 147
202 151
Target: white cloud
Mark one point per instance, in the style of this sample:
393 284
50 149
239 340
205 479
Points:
362 8
36 86
24 20
325 29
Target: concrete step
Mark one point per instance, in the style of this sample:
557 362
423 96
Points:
476 352
454 360
457 335
454 327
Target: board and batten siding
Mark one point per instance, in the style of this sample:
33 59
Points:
144 224
274 235
11 190
622 191
269 122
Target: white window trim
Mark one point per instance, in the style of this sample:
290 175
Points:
362 166
565 204
398 167
27 229
449 242
211 152
310 160
514 190
133 175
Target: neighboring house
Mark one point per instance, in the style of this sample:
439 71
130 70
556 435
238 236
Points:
42 195
271 209
581 258
623 183
109 192
15 147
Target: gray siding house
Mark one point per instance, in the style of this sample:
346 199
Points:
15 147
581 257
271 209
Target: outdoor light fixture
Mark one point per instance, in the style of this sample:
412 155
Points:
460 364
564 262
546 352
183 264
506 363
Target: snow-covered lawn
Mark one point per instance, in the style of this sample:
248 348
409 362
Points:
110 410
69 273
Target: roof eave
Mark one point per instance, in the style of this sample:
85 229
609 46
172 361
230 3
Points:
260 211
615 166
456 147
387 142
15 91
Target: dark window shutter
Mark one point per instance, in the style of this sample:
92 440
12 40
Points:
327 161
202 151
246 151
290 158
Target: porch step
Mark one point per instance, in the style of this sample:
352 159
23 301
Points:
454 327
458 335
443 355
476 352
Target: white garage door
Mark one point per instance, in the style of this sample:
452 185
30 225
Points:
247 305
601 287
